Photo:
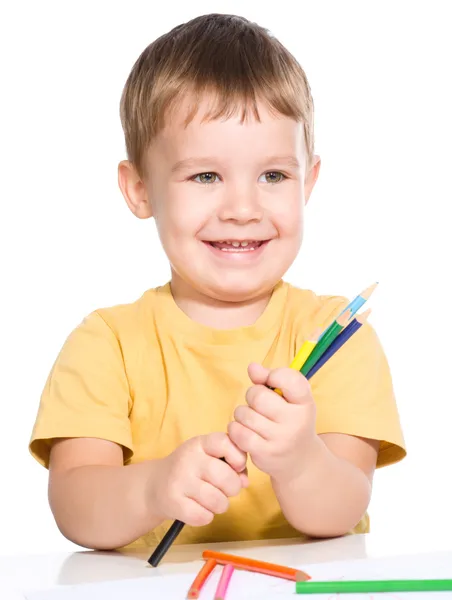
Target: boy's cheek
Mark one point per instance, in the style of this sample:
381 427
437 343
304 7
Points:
290 229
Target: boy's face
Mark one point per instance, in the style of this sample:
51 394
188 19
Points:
228 199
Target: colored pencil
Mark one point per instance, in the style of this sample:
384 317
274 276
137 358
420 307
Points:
355 304
223 584
201 578
361 299
305 350
345 335
373 587
166 541
325 342
303 353
256 566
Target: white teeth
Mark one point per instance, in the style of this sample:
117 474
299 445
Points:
247 249
234 243
236 246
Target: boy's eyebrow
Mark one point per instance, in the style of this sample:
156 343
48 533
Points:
191 162
289 160
187 163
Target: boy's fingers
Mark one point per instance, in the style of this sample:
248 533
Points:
258 373
209 496
193 514
294 386
255 421
218 445
263 401
244 478
221 476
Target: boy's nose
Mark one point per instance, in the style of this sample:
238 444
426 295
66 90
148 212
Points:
241 208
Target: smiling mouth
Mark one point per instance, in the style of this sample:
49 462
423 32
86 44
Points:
238 245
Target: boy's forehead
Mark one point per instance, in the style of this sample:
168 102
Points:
189 125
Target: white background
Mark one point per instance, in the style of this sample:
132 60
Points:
380 76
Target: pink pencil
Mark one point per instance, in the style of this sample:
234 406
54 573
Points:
222 588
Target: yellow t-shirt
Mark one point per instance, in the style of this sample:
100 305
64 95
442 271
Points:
147 377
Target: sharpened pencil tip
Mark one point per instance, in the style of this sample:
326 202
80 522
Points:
362 318
302 576
345 318
316 334
369 291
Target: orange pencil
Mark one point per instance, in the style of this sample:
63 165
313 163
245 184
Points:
256 566
200 578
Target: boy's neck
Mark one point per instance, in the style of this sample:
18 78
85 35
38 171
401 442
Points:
214 313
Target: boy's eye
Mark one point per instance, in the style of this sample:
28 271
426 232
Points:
205 177
273 177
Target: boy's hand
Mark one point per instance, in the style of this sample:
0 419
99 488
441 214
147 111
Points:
277 432
193 484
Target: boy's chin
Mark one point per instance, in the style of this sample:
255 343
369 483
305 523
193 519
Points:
238 290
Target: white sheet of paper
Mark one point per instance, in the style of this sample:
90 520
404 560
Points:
248 586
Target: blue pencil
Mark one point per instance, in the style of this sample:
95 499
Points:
345 335
355 304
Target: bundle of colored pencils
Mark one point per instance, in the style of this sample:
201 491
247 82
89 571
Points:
313 354
321 346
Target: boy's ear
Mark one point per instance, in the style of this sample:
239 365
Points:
311 177
134 190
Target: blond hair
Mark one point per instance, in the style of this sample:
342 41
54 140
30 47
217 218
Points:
235 60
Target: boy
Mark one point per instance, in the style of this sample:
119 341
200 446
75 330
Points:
144 398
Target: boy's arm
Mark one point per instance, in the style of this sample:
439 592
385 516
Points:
323 480
96 501
99 503
331 494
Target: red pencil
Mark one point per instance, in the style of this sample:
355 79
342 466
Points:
201 578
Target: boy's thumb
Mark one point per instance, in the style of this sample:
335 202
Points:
258 373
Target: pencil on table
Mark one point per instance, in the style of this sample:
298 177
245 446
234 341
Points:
256 566
376 586
325 342
223 584
345 335
303 354
201 578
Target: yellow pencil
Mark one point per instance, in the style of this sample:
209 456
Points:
305 350
303 353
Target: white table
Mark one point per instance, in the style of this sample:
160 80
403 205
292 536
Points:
46 571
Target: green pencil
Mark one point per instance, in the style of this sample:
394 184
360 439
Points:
325 342
373 587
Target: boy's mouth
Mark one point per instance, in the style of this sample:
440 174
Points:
237 245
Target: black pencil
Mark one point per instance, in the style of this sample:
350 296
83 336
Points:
165 543
167 540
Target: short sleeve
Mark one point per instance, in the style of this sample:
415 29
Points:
86 393
354 395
